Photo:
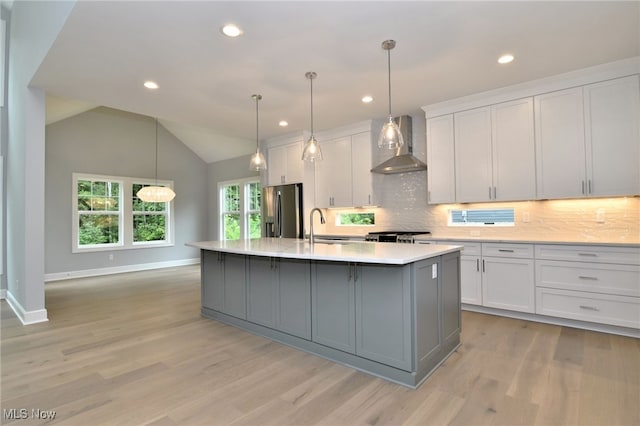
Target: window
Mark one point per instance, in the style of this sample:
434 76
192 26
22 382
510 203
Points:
355 219
240 209
108 215
482 217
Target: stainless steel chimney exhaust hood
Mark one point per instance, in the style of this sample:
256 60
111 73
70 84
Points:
403 161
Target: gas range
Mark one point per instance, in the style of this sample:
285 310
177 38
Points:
406 237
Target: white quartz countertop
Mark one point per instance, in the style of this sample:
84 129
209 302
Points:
340 251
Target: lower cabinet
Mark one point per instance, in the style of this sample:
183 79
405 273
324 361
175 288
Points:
220 291
279 294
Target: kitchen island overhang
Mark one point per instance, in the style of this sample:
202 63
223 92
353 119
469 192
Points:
391 310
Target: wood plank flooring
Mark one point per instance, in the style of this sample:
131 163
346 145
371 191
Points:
132 349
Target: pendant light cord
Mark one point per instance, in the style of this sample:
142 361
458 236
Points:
311 81
257 140
389 77
156 174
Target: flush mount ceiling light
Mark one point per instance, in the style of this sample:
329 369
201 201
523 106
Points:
390 136
155 193
283 123
257 162
367 99
151 85
505 59
231 30
312 150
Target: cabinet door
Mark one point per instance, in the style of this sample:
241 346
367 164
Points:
262 289
508 283
513 149
333 301
294 164
213 282
612 118
362 181
440 160
383 314
276 165
294 297
560 151
470 280
235 285
333 174
473 155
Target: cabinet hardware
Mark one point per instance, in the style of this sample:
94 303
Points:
588 254
478 265
428 195
589 186
489 192
355 272
583 188
589 308
582 277
483 265
369 198
506 250
495 193
349 270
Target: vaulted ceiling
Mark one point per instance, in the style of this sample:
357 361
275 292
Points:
108 49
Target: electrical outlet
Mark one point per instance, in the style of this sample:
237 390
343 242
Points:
600 215
526 218
110 256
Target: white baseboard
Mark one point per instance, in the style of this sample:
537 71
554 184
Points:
3 293
57 276
26 317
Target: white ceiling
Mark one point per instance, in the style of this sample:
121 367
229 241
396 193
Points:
106 50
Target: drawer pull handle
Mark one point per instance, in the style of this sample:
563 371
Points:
588 254
589 308
506 250
583 277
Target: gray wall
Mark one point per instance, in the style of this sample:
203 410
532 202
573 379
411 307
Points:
117 143
235 168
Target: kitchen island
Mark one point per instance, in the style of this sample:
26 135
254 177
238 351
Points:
391 310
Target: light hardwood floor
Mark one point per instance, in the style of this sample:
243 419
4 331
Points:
132 349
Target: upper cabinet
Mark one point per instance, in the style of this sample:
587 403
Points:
568 136
285 163
588 140
343 177
494 153
440 160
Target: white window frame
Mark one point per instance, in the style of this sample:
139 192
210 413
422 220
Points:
126 215
244 205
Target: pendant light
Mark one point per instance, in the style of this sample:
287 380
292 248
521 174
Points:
257 162
312 150
390 136
155 193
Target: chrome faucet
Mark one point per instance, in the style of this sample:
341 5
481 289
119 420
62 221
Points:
311 237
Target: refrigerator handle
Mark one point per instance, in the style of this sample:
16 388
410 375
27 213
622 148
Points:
278 212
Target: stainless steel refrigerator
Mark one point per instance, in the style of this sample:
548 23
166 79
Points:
282 211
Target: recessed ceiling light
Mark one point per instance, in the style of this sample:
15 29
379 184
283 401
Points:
151 84
231 30
367 99
505 59
283 123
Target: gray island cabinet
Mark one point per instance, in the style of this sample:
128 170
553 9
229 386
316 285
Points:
391 310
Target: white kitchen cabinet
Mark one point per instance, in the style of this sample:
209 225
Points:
495 152
598 284
470 271
441 176
343 177
588 140
284 164
612 136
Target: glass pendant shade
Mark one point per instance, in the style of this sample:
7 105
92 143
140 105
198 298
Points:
312 151
257 161
155 193
390 135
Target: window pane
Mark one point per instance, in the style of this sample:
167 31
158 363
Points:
254 196
482 217
149 228
140 206
98 229
254 225
357 219
84 187
231 226
232 198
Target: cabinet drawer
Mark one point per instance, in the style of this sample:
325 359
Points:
613 310
524 251
621 255
622 280
470 248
